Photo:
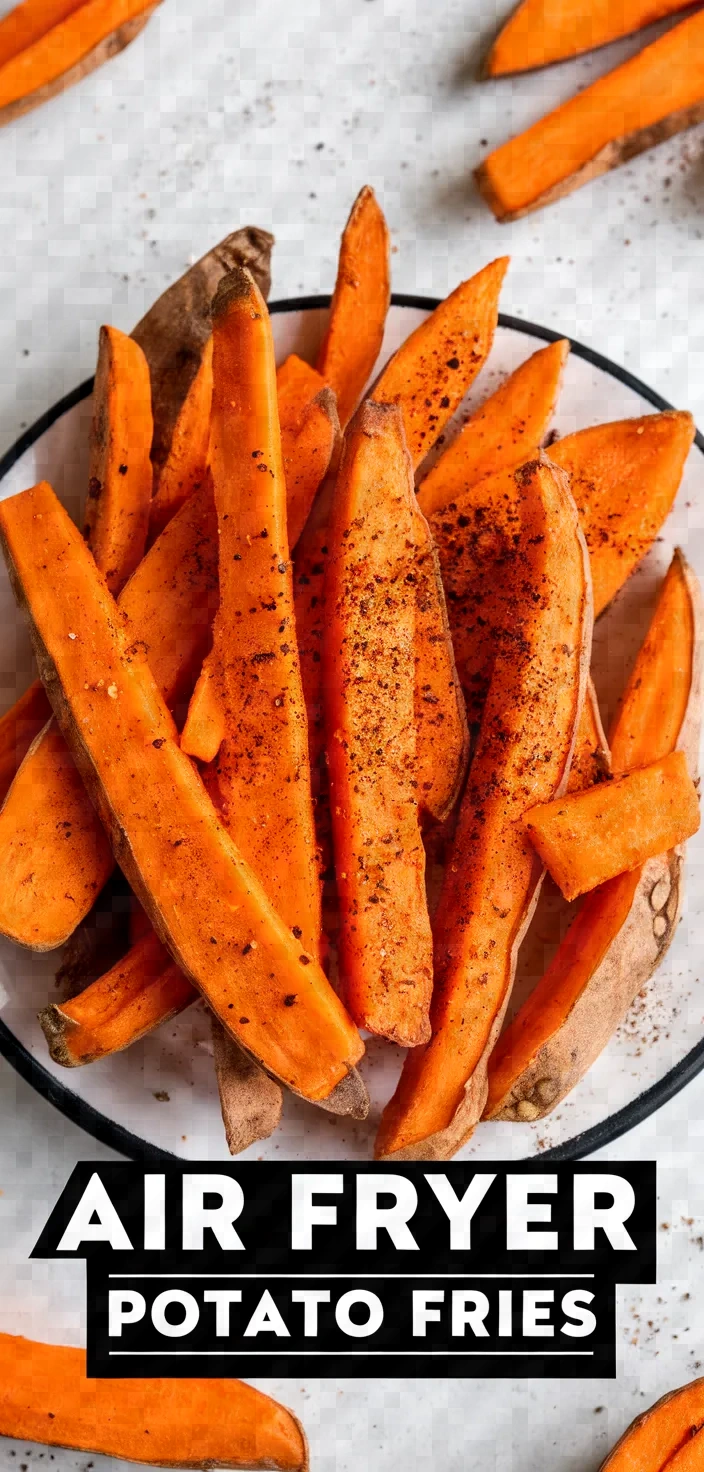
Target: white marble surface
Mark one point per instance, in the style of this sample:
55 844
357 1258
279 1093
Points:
215 117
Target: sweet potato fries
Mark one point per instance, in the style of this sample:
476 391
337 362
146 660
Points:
331 603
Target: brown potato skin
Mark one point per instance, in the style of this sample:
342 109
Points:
175 330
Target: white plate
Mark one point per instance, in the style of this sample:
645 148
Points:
121 1100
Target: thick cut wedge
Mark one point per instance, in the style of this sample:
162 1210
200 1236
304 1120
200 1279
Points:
360 302
492 875
86 38
541 32
667 1438
308 450
46 1397
623 929
54 854
652 97
120 484
176 330
428 377
262 771
442 733
201 897
431 372
145 988
504 432
385 944
589 837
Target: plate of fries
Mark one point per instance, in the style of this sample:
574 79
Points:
310 823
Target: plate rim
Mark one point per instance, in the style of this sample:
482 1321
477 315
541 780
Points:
133 1147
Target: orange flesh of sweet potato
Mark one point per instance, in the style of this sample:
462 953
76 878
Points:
307 454
657 1439
202 898
541 32
83 40
508 428
359 305
588 837
18 729
623 929
591 761
262 771
385 943
46 1397
120 485
431 372
186 465
143 989
30 21
624 478
648 99
54 854
442 733
492 876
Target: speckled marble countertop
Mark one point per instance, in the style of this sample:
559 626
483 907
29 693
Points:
223 114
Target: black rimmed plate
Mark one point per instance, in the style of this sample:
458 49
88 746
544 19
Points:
159 1098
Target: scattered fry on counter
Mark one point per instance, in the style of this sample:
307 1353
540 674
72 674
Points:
45 1396
47 46
541 32
666 1438
653 96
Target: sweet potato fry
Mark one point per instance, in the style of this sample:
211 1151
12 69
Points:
442 733
492 877
591 836
308 450
385 944
652 97
666 1438
359 305
624 477
508 428
120 484
87 36
186 465
428 377
54 855
144 988
197 1424
176 330
622 930
541 32
29 21
262 772
202 898
431 372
